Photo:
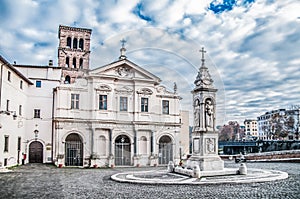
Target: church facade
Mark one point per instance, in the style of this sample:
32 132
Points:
115 115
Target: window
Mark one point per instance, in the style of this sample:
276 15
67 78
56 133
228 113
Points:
37 113
6 140
74 101
144 104
74 62
123 103
103 102
67 79
165 106
81 44
80 63
7 105
21 84
75 43
38 84
8 75
19 143
20 109
67 62
69 42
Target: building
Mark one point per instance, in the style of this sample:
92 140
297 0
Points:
251 130
71 115
279 124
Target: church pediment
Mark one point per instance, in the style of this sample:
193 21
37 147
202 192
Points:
124 69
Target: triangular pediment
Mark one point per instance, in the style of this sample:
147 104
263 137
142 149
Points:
124 69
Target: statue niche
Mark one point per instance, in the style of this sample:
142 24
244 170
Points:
197 113
209 113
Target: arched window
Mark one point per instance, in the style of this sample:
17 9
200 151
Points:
69 41
81 44
74 62
67 79
68 62
80 63
75 43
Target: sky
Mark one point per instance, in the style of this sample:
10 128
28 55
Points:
252 46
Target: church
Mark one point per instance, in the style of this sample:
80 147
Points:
118 114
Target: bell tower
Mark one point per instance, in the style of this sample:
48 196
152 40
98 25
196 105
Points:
73 52
204 136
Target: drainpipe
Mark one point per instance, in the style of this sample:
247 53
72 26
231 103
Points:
53 126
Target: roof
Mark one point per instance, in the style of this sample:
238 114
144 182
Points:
11 67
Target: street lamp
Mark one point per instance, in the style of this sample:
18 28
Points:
122 147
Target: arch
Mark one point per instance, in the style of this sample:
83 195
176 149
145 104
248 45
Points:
67 62
69 42
36 152
74 63
75 41
81 43
122 150
80 63
143 145
165 149
102 145
73 150
67 79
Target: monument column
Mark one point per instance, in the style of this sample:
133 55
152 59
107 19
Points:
204 136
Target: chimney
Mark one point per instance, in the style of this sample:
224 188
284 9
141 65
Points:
50 62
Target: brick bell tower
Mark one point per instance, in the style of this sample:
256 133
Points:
73 52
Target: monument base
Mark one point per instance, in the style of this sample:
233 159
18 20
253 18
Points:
206 163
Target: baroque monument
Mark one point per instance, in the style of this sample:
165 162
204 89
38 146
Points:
204 136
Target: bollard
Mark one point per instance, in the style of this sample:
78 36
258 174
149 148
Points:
243 169
171 167
196 171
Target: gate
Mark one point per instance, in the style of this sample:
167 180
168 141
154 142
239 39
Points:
35 152
122 151
74 150
165 150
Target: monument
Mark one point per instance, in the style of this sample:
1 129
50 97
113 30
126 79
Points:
204 136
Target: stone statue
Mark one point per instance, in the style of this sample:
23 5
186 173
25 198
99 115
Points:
209 113
197 113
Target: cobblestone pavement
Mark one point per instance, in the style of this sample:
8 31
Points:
46 181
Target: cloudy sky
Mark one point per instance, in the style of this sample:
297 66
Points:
253 46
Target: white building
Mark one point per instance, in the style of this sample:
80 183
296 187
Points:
279 124
251 129
14 88
117 114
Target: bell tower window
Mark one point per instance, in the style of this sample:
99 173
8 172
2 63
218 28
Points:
67 62
67 79
75 43
80 63
81 44
69 41
74 62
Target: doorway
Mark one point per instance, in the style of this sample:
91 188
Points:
73 150
36 152
122 151
165 150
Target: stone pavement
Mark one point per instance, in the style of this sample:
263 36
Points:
46 181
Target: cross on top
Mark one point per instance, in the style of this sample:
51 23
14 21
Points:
123 41
202 51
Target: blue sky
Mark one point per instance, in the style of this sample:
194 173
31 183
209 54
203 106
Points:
253 46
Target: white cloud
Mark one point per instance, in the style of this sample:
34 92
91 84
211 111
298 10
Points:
254 50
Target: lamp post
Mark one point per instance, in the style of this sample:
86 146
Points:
122 147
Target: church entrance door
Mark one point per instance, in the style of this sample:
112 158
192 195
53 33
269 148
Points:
35 152
74 150
165 150
122 151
